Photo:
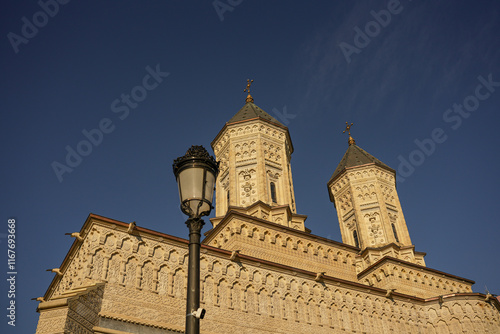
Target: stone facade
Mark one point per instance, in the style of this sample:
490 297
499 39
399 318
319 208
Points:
116 281
262 271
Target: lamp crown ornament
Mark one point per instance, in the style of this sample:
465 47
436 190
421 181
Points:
195 151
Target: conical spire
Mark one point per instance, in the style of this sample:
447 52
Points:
356 156
251 111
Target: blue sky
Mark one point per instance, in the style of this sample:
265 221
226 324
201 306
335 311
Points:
419 79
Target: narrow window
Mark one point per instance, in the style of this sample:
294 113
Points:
228 199
355 235
273 193
395 233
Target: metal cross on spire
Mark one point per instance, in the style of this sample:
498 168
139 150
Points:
247 89
348 129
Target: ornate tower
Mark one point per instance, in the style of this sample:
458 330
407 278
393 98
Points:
363 190
254 150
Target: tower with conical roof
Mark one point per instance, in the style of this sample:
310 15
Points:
254 150
363 190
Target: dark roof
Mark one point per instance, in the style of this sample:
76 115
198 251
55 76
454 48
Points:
252 111
356 156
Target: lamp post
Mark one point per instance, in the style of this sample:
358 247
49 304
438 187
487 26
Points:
195 172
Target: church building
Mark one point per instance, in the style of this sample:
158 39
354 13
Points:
262 270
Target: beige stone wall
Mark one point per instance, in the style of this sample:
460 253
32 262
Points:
144 279
270 242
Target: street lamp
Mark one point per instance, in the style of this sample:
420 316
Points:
195 173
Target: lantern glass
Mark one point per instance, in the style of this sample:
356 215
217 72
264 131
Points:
209 186
196 173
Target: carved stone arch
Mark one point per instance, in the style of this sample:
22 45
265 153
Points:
110 240
131 269
179 283
333 314
164 279
349 260
244 275
433 281
321 252
217 267
249 298
301 247
263 301
355 319
174 256
279 240
127 244
207 289
306 289
287 306
348 298
295 286
455 326
338 296
442 327
116 268
158 253
267 236
222 293
142 249
270 280
148 275
275 308
244 230
257 277
310 249
236 296
230 270
322 313
281 282
96 270
368 301
345 319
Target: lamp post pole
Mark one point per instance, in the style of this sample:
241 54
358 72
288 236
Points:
193 287
196 173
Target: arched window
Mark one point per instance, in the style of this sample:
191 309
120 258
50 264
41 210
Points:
273 193
355 236
395 232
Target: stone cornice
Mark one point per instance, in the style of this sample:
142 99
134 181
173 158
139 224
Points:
216 139
390 259
136 321
393 245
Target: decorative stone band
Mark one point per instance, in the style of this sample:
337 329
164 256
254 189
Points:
131 320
